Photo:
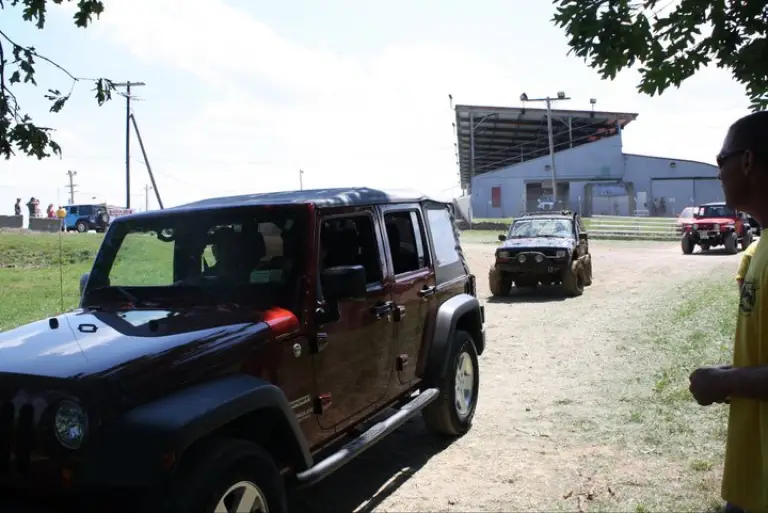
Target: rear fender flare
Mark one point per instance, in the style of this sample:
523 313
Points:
139 438
463 312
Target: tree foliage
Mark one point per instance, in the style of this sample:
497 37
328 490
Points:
671 40
17 68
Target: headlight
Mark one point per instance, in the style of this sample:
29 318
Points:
70 424
503 254
539 258
695 226
521 258
561 253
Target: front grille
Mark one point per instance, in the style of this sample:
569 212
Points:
705 226
17 437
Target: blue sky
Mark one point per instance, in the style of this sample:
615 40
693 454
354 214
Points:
240 95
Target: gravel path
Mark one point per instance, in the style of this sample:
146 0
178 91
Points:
542 375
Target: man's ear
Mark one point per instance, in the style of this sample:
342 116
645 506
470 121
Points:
748 162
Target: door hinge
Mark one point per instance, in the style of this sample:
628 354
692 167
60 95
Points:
319 343
401 361
322 403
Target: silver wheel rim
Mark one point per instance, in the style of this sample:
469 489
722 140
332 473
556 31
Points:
464 384
242 497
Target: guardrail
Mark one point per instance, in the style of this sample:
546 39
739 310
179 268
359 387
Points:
640 228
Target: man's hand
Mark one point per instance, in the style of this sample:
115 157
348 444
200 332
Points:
708 384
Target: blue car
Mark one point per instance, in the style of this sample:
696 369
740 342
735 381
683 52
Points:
84 218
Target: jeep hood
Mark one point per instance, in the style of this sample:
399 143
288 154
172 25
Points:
710 220
86 343
537 242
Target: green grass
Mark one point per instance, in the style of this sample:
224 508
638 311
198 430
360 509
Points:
30 271
674 447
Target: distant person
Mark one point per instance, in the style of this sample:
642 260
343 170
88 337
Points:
746 258
37 208
17 207
743 172
51 212
31 207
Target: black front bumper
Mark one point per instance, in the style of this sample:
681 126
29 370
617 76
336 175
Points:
548 267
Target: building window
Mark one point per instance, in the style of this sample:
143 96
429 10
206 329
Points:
496 196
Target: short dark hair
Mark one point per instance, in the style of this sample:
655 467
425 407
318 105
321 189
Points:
751 132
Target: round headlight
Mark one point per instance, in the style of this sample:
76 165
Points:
539 258
560 253
695 226
70 424
521 258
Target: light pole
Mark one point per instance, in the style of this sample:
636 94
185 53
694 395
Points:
301 179
548 101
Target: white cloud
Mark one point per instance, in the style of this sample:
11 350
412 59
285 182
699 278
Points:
274 105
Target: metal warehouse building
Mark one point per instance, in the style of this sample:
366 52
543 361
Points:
505 165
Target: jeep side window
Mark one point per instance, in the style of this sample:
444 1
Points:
443 237
86 210
73 210
350 240
406 243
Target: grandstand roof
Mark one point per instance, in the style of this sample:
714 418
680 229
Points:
509 135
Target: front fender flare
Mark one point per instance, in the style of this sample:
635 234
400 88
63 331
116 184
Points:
129 450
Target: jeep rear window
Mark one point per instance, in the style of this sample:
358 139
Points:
251 255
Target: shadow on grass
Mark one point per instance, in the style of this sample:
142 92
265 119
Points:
542 294
364 483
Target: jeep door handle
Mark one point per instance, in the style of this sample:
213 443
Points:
427 291
382 309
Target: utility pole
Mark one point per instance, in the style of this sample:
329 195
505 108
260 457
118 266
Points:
301 179
548 100
147 188
71 186
128 97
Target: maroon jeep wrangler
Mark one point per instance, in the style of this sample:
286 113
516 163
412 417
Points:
220 346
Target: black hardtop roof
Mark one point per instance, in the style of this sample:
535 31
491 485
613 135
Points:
554 214
322 198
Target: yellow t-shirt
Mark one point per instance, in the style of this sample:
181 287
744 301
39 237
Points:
745 477
741 272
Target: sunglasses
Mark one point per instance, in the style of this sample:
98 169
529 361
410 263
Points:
723 157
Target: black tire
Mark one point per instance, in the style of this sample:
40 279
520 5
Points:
587 270
442 416
498 283
687 244
573 280
746 241
208 472
81 227
731 243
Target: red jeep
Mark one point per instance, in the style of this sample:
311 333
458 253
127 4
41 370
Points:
716 224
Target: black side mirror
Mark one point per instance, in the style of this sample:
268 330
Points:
84 282
583 236
502 237
344 282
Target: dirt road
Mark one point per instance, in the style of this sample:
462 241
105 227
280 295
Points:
543 381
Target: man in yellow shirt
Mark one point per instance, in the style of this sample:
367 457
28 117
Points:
743 172
741 272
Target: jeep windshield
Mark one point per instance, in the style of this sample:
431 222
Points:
546 227
243 256
714 211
